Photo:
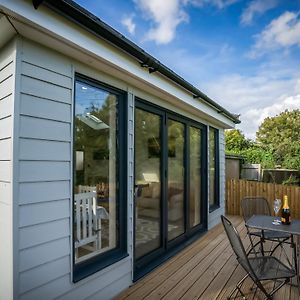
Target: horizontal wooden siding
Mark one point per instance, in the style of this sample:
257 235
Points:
7 77
45 198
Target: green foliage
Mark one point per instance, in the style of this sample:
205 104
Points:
292 180
291 159
257 155
282 128
278 142
236 141
280 135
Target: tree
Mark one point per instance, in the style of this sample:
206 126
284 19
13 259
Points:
236 141
282 128
257 155
280 135
291 159
277 143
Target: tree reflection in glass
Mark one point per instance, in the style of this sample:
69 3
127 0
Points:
95 218
175 179
147 182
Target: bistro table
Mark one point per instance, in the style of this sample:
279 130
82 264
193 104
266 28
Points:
263 222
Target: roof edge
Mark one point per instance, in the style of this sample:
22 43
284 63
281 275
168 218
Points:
84 18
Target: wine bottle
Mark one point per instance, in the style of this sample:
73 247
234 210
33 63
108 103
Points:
285 213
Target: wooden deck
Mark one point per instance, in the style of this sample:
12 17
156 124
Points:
207 269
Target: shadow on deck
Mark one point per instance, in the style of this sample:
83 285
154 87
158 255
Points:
207 269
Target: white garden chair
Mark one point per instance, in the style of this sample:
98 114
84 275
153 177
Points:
88 220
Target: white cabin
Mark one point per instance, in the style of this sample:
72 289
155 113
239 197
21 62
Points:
109 161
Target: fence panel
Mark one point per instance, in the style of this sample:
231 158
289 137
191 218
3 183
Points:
238 189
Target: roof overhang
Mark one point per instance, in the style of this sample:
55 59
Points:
75 32
7 30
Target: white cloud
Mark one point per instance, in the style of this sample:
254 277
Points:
256 7
166 16
282 32
129 24
217 3
240 92
252 118
226 50
256 97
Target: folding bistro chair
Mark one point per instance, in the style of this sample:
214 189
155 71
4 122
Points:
260 206
258 268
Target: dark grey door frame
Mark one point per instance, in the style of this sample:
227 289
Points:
144 264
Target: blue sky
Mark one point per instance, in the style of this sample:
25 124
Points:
243 54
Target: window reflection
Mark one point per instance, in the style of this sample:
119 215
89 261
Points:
147 182
195 171
213 139
95 218
175 179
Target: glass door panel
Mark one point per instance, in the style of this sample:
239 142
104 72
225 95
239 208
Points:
195 179
169 181
148 151
176 141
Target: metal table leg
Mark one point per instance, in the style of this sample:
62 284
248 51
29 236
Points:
296 251
297 247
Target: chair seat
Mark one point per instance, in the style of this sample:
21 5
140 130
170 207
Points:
270 234
270 268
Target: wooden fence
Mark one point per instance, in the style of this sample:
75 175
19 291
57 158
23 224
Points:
237 189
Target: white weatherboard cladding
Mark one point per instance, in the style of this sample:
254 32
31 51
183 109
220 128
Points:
7 77
5 150
44 189
7 80
5 106
47 109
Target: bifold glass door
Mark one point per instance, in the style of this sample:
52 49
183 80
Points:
170 151
176 179
195 176
148 198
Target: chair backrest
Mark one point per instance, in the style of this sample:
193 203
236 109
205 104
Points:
254 206
237 245
85 216
86 189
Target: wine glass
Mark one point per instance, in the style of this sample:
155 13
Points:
276 207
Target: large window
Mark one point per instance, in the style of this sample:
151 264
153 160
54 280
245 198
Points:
98 168
213 169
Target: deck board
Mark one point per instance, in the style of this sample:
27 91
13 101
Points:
206 269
